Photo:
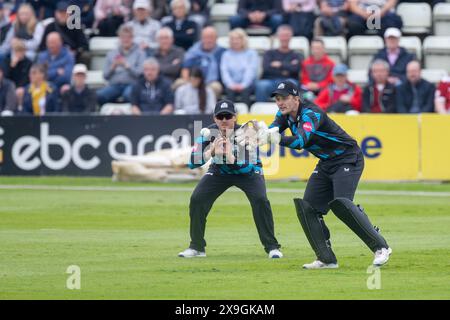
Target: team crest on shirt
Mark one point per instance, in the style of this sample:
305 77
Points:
307 126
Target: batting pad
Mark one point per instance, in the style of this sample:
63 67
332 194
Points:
310 221
357 220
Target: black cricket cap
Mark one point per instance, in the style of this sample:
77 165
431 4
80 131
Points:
285 88
224 106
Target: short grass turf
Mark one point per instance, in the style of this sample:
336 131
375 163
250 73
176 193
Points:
126 245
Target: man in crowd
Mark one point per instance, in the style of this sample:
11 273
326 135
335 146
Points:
416 95
278 64
207 55
379 95
317 70
397 57
152 94
122 68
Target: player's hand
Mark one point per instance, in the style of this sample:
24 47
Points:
228 151
268 136
247 134
219 146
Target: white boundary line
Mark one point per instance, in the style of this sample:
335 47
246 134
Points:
186 189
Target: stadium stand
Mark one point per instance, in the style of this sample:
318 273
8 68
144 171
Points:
336 48
94 79
416 17
220 14
436 50
434 75
426 32
263 108
361 50
241 108
413 45
258 43
441 19
99 47
109 109
358 76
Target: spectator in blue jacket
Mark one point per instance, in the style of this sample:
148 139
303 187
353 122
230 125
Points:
40 96
239 67
58 59
416 95
258 12
397 57
206 55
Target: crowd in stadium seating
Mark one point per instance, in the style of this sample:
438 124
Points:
168 59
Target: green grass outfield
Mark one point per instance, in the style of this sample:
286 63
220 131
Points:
125 238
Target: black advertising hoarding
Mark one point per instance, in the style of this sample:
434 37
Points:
86 145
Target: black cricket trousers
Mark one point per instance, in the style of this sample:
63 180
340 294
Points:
334 179
211 186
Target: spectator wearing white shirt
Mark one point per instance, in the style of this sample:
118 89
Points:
28 29
144 27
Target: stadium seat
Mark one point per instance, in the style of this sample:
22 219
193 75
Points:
434 75
223 41
260 44
413 45
336 48
115 109
94 79
241 108
264 108
299 44
416 17
99 47
258 31
359 77
220 13
436 50
361 50
102 45
441 19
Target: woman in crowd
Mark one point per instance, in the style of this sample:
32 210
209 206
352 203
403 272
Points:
28 29
239 67
194 97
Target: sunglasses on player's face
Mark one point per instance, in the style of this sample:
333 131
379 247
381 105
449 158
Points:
226 116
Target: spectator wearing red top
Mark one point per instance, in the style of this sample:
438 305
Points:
317 70
341 95
379 95
442 99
